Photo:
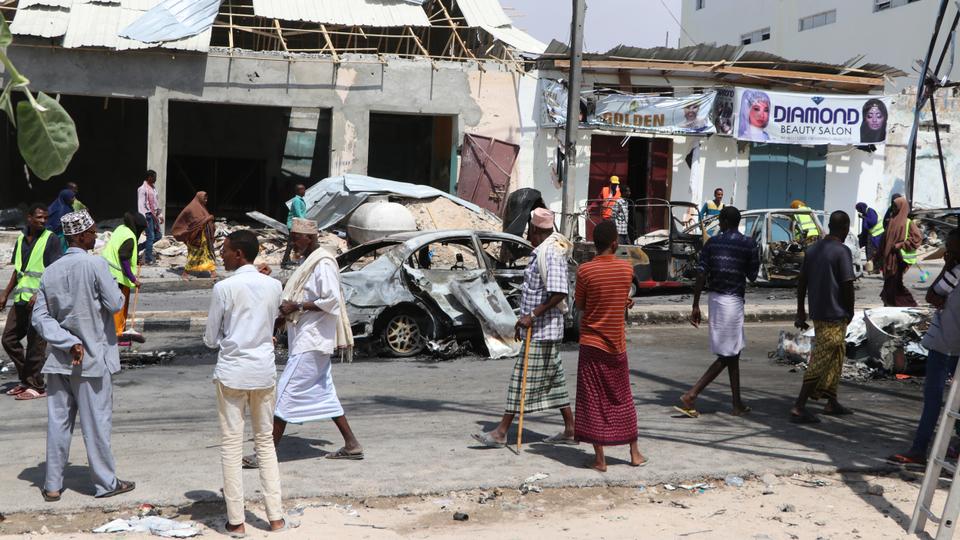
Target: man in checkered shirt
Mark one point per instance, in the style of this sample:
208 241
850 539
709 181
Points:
542 308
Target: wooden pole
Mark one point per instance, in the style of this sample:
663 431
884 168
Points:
523 386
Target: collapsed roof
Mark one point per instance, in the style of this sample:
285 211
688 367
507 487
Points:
731 65
438 29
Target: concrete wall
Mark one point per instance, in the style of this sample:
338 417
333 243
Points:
484 102
896 36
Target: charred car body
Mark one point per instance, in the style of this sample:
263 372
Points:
411 291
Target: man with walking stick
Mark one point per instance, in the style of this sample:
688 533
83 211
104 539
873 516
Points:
542 308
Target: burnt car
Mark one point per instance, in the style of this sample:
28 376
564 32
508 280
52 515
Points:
665 258
781 242
411 291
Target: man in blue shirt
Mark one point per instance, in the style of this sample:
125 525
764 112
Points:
298 209
727 261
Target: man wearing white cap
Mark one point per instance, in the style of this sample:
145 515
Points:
542 308
317 326
74 314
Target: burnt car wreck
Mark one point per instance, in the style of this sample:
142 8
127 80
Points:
442 290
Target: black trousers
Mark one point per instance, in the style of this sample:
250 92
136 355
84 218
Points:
28 361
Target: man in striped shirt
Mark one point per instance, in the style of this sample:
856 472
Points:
606 415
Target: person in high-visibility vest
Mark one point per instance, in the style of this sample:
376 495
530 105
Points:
900 242
35 250
609 196
871 230
121 253
806 227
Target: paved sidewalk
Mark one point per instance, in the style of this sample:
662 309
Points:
415 418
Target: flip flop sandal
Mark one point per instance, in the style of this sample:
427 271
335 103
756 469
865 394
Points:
642 463
560 439
17 390
122 487
689 413
487 440
250 462
903 459
29 394
47 497
805 418
344 454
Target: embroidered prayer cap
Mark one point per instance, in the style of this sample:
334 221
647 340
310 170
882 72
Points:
542 218
304 226
75 223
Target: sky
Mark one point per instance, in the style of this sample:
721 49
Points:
639 23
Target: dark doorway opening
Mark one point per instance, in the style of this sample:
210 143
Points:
108 166
411 148
242 156
643 164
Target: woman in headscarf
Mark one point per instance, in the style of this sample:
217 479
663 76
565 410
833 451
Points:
900 242
60 207
194 227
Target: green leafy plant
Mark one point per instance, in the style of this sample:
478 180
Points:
46 135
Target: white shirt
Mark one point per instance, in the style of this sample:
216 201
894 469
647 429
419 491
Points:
242 312
317 330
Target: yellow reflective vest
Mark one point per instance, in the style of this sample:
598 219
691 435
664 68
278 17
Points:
28 278
807 226
112 254
909 257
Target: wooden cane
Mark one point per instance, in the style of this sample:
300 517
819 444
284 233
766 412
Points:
131 334
523 387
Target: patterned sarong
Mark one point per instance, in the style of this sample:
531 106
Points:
826 359
546 382
605 411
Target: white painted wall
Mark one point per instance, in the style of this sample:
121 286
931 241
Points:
896 37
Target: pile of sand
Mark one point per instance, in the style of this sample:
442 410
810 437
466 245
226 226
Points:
442 213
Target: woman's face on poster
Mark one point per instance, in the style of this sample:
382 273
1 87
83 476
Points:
759 114
875 118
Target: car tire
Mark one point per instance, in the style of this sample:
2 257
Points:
403 334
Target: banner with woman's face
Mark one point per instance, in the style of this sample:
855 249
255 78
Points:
793 118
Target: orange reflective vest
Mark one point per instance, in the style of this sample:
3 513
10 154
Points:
609 201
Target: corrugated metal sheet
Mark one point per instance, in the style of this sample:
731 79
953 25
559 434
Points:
24 4
518 39
99 25
40 21
384 13
172 20
484 13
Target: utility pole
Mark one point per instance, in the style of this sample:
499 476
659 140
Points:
568 218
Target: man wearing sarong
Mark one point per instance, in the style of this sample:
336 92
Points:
317 326
727 261
942 342
121 253
243 309
74 314
36 249
542 308
827 273
606 415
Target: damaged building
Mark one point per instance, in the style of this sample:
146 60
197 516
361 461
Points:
250 97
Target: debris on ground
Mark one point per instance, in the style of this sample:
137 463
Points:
733 481
881 343
134 358
814 482
529 485
460 516
875 489
155 525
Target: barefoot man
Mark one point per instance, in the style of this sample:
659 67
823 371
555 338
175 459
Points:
827 274
606 415
542 305
727 261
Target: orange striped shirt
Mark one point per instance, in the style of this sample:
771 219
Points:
603 285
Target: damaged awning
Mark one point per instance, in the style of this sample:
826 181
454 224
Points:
171 20
333 199
377 13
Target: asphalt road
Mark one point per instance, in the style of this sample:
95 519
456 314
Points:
415 419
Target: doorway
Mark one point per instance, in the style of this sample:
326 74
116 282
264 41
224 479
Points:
782 173
412 148
643 164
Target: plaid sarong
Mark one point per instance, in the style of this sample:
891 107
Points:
826 359
546 382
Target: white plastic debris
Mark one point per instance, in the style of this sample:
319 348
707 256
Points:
529 485
155 525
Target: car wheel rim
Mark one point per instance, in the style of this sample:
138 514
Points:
403 334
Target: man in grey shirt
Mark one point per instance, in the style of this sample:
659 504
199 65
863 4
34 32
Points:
828 276
74 314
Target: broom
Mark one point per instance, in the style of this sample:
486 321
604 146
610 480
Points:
130 334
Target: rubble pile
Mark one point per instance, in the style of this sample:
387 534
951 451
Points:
881 343
442 213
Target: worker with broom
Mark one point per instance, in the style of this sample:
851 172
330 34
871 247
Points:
121 254
538 381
